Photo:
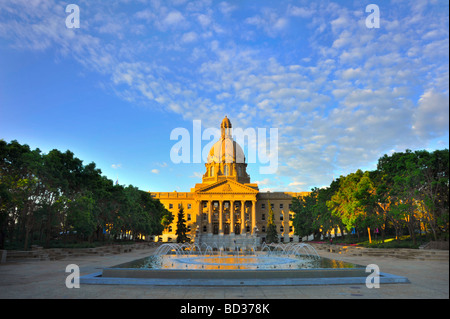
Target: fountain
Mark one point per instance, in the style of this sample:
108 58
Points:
178 256
202 264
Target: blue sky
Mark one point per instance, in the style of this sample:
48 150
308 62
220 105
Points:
340 94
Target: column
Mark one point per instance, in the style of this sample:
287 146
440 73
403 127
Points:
209 228
221 217
242 217
232 217
253 216
199 222
200 214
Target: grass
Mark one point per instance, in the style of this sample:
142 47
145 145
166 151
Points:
390 242
68 244
402 242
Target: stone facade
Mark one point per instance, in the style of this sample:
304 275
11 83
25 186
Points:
226 207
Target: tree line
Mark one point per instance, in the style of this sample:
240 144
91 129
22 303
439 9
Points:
407 193
46 197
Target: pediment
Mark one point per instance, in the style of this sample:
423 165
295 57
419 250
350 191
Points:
227 186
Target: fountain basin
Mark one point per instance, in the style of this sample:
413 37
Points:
257 266
285 265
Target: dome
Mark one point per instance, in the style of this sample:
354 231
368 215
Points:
226 150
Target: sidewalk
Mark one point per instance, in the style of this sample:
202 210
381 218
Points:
46 279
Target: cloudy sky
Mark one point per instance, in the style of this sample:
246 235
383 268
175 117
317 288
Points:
340 94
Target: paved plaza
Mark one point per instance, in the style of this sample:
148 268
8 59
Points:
46 279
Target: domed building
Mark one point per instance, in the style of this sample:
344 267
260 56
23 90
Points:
226 207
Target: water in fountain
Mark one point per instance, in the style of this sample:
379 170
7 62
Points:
270 256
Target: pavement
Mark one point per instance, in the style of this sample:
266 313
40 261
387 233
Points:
46 280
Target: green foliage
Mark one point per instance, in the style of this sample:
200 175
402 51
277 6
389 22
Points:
181 227
80 216
408 190
44 197
272 234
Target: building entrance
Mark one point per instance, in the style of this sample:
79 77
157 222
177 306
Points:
226 229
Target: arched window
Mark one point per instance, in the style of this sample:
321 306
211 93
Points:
212 171
239 171
225 170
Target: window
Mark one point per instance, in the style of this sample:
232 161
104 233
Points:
281 229
263 216
263 206
281 216
225 170
189 206
263 229
204 228
272 206
170 206
281 206
290 206
188 217
239 171
212 171
290 228
170 229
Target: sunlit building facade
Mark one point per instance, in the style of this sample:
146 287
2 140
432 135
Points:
227 207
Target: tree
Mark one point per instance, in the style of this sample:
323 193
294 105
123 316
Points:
304 220
181 227
403 176
272 235
43 195
80 218
355 201
434 189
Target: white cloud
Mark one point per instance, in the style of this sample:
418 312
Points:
189 37
226 8
155 171
431 118
340 97
197 175
301 12
116 166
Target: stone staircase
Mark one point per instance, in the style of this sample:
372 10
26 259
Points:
401 253
38 253
229 241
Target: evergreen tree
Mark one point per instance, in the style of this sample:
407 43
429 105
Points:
272 235
181 227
